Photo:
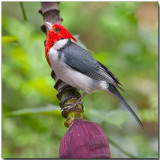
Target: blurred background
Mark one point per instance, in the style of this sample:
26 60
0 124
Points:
121 35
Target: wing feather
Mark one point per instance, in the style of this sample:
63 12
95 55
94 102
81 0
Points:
79 59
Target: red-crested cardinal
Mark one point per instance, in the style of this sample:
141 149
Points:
74 66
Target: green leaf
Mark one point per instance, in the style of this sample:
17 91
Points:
9 39
47 110
116 117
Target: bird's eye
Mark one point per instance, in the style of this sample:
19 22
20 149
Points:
57 30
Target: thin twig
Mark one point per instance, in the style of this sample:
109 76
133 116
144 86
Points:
119 148
23 11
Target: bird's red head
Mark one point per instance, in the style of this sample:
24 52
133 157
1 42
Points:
55 32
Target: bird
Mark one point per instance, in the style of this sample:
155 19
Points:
75 66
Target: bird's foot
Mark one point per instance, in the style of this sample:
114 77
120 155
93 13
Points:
74 105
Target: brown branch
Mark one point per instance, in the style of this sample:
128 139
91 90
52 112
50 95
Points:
66 94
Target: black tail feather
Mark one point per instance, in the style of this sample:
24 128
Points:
116 93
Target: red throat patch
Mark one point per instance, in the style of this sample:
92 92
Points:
48 46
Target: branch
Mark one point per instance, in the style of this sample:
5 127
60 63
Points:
23 11
66 94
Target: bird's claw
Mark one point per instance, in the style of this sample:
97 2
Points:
70 107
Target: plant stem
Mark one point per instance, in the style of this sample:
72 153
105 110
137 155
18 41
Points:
23 11
66 94
119 148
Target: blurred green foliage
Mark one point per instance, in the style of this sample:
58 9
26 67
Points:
119 34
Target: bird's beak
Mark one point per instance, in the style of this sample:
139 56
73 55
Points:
48 25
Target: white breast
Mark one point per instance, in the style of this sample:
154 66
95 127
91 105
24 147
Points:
67 74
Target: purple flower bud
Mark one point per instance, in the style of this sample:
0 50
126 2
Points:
84 139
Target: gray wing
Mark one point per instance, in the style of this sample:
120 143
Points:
79 59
